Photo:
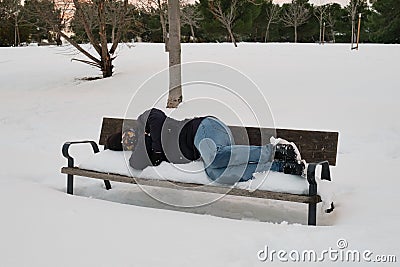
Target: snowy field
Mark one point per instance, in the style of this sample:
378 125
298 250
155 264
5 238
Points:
45 101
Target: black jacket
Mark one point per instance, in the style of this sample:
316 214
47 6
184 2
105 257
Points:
164 138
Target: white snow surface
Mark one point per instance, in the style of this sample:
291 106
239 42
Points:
45 102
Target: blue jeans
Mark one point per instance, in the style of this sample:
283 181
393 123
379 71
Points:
224 161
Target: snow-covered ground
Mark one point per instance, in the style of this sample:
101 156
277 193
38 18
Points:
45 102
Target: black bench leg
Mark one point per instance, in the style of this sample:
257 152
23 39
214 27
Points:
313 190
107 184
70 184
312 214
65 152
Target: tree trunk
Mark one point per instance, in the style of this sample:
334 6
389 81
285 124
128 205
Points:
232 36
295 34
192 30
164 31
174 46
58 39
163 26
352 32
267 32
16 32
113 30
107 67
320 32
106 61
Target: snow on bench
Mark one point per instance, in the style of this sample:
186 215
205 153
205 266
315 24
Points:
115 162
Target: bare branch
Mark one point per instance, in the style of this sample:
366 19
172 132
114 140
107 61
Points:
88 30
296 15
121 26
352 10
87 62
227 18
161 8
192 17
272 16
78 47
320 14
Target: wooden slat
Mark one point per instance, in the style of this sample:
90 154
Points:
193 187
314 146
109 127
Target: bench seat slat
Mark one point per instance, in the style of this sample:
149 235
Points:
192 187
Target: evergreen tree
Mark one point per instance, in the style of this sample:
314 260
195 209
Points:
12 29
385 21
37 14
211 29
337 29
245 27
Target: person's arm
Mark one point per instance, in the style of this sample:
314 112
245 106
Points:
140 158
155 122
148 151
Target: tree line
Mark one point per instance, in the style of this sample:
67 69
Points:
104 22
204 21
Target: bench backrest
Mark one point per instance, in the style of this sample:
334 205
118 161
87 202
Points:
314 146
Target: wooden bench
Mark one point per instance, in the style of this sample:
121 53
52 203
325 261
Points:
316 147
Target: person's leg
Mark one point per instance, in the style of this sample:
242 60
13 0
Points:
211 135
241 154
236 173
277 166
215 143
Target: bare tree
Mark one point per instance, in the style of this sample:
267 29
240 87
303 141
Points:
161 8
352 10
272 16
112 17
191 16
92 18
296 15
163 13
227 18
330 22
320 14
113 12
175 82
100 44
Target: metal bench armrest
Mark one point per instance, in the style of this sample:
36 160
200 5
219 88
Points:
65 150
325 175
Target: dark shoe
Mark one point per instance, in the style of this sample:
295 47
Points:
293 168
331 208
285 152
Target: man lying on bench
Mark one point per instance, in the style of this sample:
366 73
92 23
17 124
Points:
159 138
